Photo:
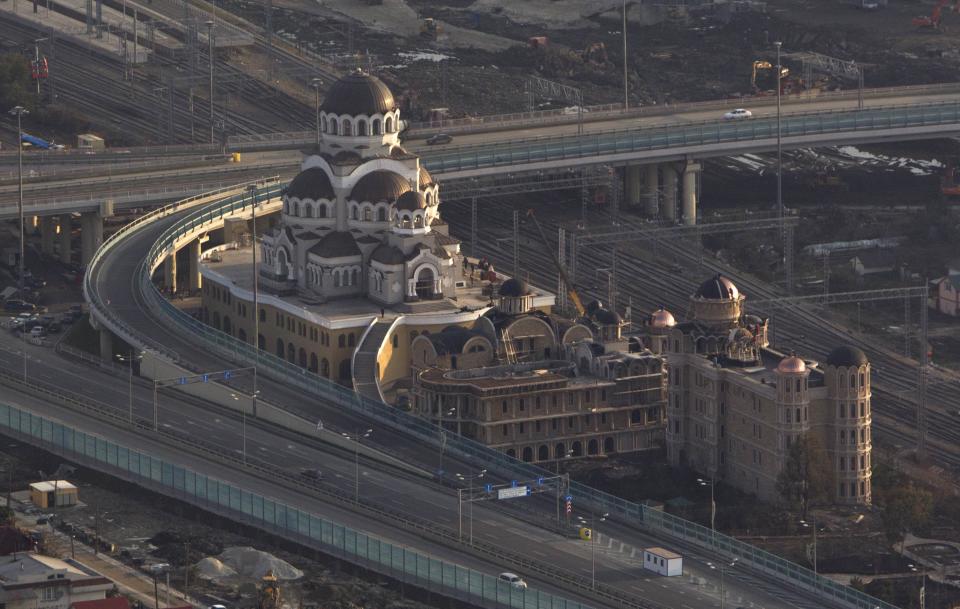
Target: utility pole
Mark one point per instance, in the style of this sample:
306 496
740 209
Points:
778 44
19 111
252 189
210 52
626 82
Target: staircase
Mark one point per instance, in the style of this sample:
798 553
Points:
365 364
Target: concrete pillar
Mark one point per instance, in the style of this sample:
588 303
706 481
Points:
66 227
48 233
690 193
91 236
633 184
652 191
106 345
668 209
194 253
170 272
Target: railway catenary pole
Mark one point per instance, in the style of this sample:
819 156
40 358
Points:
252 189
626 82
210 53
779 44
19 111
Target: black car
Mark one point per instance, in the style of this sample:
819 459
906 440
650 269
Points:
54 327
18 306
440 138
313 474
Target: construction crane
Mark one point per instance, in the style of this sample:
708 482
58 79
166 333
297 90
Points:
571 291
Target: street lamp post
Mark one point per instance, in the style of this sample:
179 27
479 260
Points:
243 424
566 455
812 524
922 572
252 189
210 52
591 524
468 478
626 83
19 111
356 437
713 502
129 359
443 435
315 83
722 567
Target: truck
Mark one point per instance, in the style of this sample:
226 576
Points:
31 140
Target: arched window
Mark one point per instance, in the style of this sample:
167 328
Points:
593 447
367 213
280 348
227 326
286 207
313 362
361 127
325 368
261 342
355 212
302 358
528 454
216 320
356 277
388 124
608 445
418 221
853 379
296 209
381 214
341 341
323 124
345 127
543 453
291 353
636 417
333 126
322 210
307 210
345 370
577 449
375 126
263 315
336 279
350 340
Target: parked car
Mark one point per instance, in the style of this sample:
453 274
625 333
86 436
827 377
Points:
738 114
440 138
54 327
18 305
313 474
66 318
38 331
513 579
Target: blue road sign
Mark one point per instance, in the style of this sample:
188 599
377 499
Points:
568 498
227 374
513 483
206 377
489 488
540 481
183 380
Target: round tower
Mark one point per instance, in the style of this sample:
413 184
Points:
717 302
659 325
848 390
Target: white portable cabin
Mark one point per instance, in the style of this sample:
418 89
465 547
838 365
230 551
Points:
663 562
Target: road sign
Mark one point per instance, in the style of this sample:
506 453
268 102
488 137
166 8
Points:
489 487
512 492
569 507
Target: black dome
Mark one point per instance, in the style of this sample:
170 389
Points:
514 288
847 356
607 317
336 244
379 185
411 201
717 287
358 93
311 183
387 254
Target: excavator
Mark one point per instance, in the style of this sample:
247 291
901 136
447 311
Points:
571 291
766 65
933 20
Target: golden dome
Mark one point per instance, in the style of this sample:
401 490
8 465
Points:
791 365
661 318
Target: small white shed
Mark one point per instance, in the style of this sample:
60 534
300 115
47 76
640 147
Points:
663 562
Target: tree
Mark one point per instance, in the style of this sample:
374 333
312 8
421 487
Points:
906 508
6 515
807 476
15 85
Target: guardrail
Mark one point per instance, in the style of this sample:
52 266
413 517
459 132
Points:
604 143
629 513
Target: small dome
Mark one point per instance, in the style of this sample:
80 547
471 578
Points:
387 254
607 317
337 244
847 356
380 185
313 183
514 288
358 93
718 287
411 201
661 318
791 365
425 178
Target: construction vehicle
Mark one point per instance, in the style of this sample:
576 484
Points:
571 290
766 65
933 20
595 53
429 29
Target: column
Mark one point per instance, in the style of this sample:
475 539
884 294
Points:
91 235
652 192
170 272
106 345
632 175
48 233
690 172
66 227
668 211
194 253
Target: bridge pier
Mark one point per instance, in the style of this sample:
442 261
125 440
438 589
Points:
106 345
66 229
170 273
91 231
48 233
194 254
690 173
668 211
652 192
631 174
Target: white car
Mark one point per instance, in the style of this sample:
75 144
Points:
738 114
513 579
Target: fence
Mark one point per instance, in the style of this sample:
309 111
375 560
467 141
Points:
217 496
653 521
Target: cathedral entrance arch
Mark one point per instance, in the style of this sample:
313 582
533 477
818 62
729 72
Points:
283 268
425 282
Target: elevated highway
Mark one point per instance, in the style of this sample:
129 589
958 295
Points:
125 302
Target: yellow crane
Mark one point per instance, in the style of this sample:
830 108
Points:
571 291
